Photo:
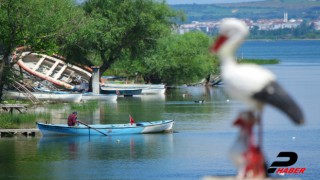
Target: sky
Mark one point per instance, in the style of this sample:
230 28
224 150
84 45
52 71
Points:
205 1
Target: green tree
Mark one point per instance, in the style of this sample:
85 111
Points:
35 23
177 59
118 30
181 59
10 35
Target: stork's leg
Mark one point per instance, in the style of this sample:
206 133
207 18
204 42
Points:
260 129
255 167
241 146
260 141
254 164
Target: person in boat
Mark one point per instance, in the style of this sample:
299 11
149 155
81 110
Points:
72 119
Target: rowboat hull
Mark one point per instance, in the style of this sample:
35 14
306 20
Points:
99 97
146 88
138 86
53 70
118 91
70 97
153 91
111 129
86 96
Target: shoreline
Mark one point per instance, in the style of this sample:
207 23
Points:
32 132
282 39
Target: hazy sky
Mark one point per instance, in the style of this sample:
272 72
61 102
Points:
205 1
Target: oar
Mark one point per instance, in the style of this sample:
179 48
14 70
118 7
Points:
92 128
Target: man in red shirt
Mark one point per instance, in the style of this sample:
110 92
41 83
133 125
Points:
72 119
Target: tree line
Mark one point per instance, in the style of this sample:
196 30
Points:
128 38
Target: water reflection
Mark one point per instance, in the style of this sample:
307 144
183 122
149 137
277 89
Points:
178 104
189 114
100 148
107 156
195 93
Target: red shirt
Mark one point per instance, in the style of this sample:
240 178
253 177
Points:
72 119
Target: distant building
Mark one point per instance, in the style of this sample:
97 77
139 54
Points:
316 24
262 24
274 24
197 26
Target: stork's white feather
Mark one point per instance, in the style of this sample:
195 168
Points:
242 81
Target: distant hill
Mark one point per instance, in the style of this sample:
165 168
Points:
269 9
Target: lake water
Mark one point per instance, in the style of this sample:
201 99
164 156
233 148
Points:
202 134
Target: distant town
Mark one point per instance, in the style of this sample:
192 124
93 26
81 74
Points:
260 24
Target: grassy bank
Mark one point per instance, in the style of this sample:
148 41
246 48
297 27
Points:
12 121
259 61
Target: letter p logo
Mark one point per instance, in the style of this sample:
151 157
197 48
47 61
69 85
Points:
293 157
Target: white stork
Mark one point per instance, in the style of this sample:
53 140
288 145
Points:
252 85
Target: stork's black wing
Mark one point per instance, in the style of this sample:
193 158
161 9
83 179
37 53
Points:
275 95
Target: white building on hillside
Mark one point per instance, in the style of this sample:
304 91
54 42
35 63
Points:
197 26
274 24
316 24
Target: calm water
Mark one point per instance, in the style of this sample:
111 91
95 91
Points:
202 134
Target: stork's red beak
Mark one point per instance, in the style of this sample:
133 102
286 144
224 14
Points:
220 40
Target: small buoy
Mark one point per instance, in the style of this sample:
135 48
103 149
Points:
293 138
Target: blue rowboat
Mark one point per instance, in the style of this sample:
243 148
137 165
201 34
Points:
105 129
118 91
